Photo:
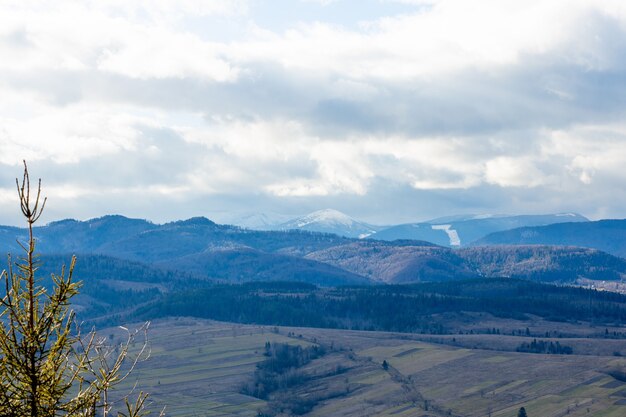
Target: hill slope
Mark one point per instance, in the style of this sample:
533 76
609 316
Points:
410 308
460 231
606 235
391 262
197 246
544 263
113 285
143 241
396 262
244 265
202 247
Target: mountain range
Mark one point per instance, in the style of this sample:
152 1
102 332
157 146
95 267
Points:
330 221
409 261
463 230
454 231
606 235
208 251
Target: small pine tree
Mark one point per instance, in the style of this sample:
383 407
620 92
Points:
385 365
522 412
47 368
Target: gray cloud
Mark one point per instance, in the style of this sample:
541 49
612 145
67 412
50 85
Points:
321 123
538 95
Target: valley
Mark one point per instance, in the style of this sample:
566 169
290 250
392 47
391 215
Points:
402 327
204 376
467 349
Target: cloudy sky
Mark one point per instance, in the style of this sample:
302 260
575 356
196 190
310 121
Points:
389 110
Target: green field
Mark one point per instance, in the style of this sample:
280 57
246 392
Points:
197 368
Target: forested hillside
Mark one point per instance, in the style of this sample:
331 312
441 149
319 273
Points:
544 263
606 235
245 264
203 249
412 308
406 262
397 262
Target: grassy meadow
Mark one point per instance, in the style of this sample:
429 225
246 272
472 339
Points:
198 367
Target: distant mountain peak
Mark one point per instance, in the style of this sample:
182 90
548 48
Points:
569 215
326 216
62 222
331 221
495 216
103 221
116 218
195 221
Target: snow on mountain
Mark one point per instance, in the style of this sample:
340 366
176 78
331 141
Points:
567 215
465 217
453 235
464 229
330 221
255 221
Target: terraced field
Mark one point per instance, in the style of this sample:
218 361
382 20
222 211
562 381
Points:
198 367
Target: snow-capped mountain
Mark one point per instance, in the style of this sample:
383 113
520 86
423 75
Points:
255 221
461 230
454 231
330 221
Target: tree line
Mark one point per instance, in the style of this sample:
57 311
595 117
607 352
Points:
387 308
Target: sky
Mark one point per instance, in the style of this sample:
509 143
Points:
389 110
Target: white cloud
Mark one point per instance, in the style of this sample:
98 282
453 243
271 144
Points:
513 172
453 97
67 135
168 9
79 38
320 2
591 151
452 36
160 54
